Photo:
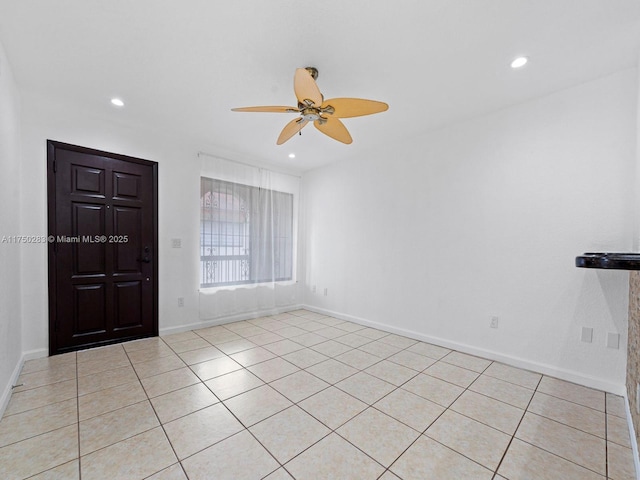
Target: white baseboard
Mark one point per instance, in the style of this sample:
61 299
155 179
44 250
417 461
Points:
31 354
553 371
228 319
632 434
6 394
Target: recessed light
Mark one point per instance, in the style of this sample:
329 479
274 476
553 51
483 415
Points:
117 102
292 155
519 62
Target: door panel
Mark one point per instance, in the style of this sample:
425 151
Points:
128 310
102 265
126 186
87 181
127 224
88 221
89 309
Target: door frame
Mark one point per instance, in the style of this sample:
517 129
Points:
52 145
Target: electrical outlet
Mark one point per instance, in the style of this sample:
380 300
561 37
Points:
613 340
325 292
494 322
176 243
313 289
587 335
181 301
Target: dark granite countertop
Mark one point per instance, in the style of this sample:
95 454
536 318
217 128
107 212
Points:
609 260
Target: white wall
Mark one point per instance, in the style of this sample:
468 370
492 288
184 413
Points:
10 314
636 237
432 236
436 234
179 191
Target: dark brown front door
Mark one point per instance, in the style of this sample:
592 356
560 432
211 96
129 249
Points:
102 247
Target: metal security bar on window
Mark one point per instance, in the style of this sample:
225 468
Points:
246 234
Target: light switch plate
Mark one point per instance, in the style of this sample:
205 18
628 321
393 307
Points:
613 340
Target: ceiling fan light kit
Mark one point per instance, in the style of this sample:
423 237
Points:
312 107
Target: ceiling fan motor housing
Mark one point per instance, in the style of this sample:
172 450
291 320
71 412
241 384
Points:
310 114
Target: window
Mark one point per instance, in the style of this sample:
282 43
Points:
246 234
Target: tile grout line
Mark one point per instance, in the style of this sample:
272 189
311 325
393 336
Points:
296 403
50 431
561 457
524 411
44 432
435 420
573 426
222 402
368 405
606 439
444 411
161 424
420 434
78 417
246 428
571 401
516 430
155 413
555 421
281 465
371 405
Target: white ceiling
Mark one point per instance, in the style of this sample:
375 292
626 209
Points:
181 66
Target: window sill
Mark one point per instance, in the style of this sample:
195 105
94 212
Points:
246 286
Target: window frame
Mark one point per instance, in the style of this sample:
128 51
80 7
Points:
282 271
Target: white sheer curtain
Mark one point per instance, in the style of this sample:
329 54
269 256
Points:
248 239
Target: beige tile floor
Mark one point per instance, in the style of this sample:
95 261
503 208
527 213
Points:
300 395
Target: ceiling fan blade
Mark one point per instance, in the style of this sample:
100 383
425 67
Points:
305 87
275 109
335 129
290 129
354 107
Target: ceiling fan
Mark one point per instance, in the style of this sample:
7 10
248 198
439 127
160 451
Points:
312 107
